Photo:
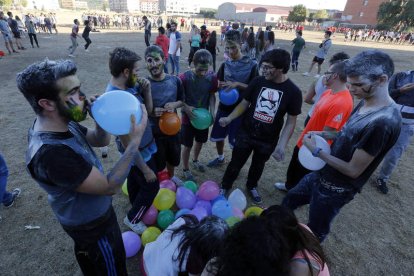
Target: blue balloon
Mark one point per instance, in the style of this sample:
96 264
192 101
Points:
229 97
218 198
112 111
182 212
222 209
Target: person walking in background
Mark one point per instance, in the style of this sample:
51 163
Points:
32 33
147 30
6 198
195 45
211 46
321 54
85 34
174 49
14 27
163 41
298 44
73 37
7 36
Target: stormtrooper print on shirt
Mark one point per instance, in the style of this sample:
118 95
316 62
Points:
267 104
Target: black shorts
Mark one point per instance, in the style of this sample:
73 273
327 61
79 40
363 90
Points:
190 133
168 151
16 34
318 60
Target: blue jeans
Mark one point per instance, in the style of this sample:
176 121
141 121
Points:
324 204
175 64
394 154
5 196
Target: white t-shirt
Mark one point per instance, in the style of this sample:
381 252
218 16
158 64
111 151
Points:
174 38
319 89
160 256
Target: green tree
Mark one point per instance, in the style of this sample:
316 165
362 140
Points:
396 14
6 3
321 14
208 13
311 17
23 3
298 14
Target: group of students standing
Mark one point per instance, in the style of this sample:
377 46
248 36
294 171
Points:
260 124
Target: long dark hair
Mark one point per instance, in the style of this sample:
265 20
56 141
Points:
295 235
250 40
212 41
260 41
205 238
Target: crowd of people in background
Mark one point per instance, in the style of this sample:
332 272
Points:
373 35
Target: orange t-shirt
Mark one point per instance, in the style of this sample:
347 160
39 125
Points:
332 110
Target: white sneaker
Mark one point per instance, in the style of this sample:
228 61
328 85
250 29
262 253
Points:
317 76
306 74
177 181
86 50
70 55
138 228
281 186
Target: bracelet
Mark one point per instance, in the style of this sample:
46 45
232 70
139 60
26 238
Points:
316 152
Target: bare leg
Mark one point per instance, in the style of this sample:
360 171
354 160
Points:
170 169
186 157
311 67
197 149
319 68
220 147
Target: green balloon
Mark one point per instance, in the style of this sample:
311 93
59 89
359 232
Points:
191 185
202 118
231 221
165 218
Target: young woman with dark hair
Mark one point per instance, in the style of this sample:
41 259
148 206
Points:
211 46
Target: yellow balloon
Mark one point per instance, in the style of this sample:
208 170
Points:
150 235
125 187
253 211
164 200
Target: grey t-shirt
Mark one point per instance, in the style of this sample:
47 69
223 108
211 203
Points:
374 132
323 48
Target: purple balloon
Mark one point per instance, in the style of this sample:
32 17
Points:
182 212
199 212
222 209
208 190
185 199
132 243
168 184
150 216
204 204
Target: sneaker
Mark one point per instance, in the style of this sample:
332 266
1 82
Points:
215 162
177 181
188 175
255 196
382 186
86 50
281 186
306 74
138 228
15 194
70 55
317 76
198 166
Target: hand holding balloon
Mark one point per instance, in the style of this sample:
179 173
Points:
158 111
309 142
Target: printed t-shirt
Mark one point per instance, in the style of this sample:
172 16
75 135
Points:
269 102
332 110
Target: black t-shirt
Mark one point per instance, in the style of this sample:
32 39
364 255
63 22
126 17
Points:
59 165
86 31
373 132
269 102
220 76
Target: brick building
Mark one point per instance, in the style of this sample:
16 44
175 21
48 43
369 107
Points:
362 11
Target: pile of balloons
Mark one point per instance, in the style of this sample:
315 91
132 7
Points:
172 202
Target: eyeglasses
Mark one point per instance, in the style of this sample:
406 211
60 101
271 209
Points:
266 67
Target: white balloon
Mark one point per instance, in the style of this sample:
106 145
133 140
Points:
308 160
237 199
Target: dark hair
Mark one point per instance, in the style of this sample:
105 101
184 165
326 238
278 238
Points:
120 59
370 64
279 58
202 56
233 36
338 57
260 43
271 37
86 22
328 33
75 20
168 25
173 23
9 13
250 40
212 40
161 30
154 48
204 238
144 17
38 81
235 26
252 248
339 68
295 236
299 33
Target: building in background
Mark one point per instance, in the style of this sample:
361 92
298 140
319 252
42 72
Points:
149 6
43 4
362 11
252 13
124 5
179 7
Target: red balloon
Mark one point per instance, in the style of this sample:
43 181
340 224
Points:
169 123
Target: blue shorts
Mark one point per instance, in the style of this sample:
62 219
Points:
219 133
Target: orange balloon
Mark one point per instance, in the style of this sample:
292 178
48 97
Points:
170 123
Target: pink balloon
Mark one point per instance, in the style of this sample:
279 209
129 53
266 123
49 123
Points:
185 199
204 204
150 216
199 212
168 184
238 213
208 190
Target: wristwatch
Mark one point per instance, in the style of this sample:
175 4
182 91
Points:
316 152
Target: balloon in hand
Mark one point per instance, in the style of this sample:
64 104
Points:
228 97
112 111
169 123
202 118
